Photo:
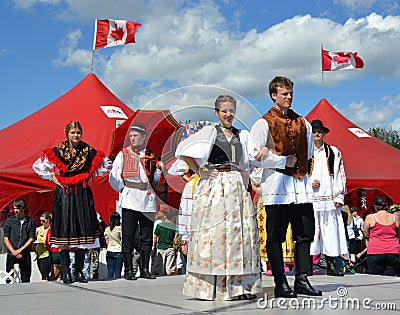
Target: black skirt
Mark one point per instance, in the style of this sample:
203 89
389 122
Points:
74 217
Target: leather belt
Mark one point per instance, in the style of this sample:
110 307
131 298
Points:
139 185
226 167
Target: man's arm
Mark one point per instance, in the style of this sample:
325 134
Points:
25 246
7 243
259 132
115 178
339 179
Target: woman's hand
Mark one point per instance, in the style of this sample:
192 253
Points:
55 181
262 154
206 173
161 166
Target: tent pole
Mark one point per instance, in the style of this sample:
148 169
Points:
322 74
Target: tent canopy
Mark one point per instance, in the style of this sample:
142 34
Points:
97 109
369 162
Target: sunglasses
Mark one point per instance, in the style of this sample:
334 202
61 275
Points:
43 221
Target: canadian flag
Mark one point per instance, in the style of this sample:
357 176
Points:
108 33
340 60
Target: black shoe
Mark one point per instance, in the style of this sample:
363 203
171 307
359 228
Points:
282 288
79 277
129 276
284 293
67 279
247 297
146 274
334 272
331 269
303 286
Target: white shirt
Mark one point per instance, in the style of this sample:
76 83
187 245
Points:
199 146
132 198
279 188
332 188
44 168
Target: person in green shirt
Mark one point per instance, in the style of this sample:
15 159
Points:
163 246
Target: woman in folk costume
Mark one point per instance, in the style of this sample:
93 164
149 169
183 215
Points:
71 165
223 257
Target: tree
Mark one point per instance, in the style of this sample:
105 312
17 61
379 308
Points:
389 136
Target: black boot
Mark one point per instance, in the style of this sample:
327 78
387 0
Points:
65 262
275 258
303 286
282 288
128 268
79 262
310 268
331 269
302 265
144 265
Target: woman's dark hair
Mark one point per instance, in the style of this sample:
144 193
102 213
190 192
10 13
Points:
115 220
379 204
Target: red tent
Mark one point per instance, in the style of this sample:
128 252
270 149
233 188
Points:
372 166
95 107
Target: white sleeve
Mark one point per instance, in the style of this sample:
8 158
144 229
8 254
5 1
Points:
310 139
43 168
104 167
198 146
339 177
115 177
157 176
259 132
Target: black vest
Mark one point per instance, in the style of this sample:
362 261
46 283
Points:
330 159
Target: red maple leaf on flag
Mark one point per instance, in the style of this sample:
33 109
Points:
341 57
117 33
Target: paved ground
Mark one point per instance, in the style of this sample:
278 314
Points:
163 296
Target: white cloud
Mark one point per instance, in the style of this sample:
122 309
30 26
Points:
70 56
188 43
357 6
380 115
3 52
28 4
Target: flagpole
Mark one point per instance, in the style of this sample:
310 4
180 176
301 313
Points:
91 69
322 74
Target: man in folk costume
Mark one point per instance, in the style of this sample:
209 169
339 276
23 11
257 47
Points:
136 175
328 180
286 190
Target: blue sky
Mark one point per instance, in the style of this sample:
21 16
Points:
190 51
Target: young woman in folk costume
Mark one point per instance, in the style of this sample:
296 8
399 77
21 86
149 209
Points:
223 257
71 165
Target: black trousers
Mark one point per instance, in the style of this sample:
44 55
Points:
130 220
383 264
301 218
25 265
44 266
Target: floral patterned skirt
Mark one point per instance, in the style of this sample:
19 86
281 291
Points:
224 253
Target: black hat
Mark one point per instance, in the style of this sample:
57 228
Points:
137 126
316 123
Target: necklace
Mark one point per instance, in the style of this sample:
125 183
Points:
226 128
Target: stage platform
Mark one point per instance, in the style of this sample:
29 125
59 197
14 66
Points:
353 293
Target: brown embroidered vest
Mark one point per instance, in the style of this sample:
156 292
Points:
289 137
